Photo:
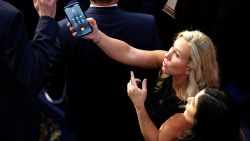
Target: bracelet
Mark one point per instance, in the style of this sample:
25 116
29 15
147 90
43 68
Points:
99 39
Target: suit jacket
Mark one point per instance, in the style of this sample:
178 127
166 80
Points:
153 7
23 64
96 95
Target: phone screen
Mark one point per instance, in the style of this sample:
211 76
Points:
77 19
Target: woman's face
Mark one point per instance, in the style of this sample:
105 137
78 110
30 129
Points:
176 59
191 107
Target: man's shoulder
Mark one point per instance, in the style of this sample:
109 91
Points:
137 19
140 15
9 14
7 9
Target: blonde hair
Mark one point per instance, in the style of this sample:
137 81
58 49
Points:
203 63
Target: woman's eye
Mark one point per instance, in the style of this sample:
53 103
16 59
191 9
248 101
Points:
176 54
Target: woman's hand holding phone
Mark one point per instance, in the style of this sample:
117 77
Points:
77 19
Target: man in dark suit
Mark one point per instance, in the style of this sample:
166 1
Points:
153 7
23 64
97 106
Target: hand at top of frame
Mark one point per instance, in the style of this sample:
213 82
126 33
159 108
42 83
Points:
45 7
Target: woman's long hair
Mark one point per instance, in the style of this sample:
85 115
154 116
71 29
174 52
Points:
217 118
203 64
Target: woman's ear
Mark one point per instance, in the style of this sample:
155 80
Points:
188 70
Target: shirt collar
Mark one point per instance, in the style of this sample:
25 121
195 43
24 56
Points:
92 5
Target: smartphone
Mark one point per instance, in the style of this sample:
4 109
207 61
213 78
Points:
77 19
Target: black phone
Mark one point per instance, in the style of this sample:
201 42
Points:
77 19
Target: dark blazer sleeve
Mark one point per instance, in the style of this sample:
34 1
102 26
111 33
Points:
55 77
28 60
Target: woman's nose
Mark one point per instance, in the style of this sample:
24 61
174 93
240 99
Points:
168 55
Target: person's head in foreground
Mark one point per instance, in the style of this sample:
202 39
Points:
214 116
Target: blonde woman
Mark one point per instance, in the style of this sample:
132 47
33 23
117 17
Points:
189 66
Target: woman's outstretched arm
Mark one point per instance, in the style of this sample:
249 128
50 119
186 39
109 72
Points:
123 52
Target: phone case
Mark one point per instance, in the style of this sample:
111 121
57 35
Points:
77 18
